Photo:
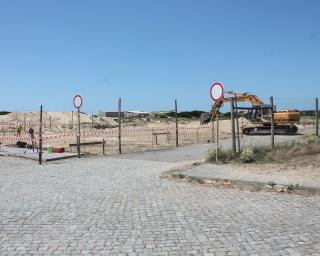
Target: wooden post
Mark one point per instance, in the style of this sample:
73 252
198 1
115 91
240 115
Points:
177 127
234 148
272 122
24 121
237 122
40 137
197 135
152 137
119 125
78 137
50 124
242 115
317 116
72 120
103 147
92 122
212 121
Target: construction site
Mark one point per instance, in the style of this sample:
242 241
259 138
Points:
159 128
244 115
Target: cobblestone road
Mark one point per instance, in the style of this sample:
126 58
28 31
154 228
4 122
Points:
114 206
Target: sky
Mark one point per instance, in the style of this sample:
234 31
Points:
150 52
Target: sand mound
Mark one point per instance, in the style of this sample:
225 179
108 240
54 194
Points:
225 125
57 120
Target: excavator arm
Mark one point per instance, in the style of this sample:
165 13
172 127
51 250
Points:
239 97
256 101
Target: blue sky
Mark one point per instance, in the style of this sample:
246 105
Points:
151 52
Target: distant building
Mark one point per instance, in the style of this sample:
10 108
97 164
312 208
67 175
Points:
141 114
124 114
110 114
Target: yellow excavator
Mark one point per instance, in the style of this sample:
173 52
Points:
260 113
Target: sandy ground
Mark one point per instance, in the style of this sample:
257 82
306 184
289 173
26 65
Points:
301 169
133 140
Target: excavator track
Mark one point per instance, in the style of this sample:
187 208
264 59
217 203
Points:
266 130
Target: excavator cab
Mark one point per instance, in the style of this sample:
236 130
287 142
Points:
261 114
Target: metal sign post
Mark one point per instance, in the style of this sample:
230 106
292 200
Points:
233 130
177 128
237 122
317 117
272 122
217 94
217 143
77 103
119 125
40 137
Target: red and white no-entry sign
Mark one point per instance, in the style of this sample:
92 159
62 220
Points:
217 91
77 101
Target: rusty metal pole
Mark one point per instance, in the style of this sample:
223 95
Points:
217 139
78 137
212 121
272 122
237 123
317 117
103 146
72 120
92 122
242 124
40 137
197 135
119 125
177 127
234 147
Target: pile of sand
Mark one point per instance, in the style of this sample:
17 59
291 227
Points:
58 120
225 125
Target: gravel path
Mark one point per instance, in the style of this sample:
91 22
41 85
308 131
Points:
119 206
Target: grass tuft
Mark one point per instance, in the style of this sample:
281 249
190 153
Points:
307 146
224 156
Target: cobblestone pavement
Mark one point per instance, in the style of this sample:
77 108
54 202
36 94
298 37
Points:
114 206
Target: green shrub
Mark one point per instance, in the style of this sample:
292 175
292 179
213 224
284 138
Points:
312 139
247 156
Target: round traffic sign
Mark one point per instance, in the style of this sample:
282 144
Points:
77 101
217 91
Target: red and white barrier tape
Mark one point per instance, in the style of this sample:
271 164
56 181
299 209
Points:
14 138
115 131
16 124
102 133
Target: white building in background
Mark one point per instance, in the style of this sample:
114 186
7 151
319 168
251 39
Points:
114 114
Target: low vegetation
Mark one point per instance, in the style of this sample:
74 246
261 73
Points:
4 113
307 146
224 156
195 114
